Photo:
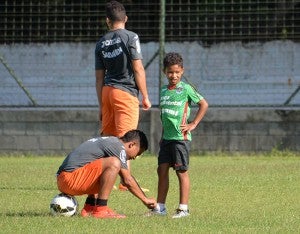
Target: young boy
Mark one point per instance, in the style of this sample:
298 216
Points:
120 76
175 101
92 168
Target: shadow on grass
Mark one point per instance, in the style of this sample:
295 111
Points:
29 189
26 214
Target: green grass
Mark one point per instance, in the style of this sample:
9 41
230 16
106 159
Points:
230 194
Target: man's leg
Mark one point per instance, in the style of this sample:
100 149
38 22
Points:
110 170
126 117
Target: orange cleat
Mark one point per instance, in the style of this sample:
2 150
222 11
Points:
103 212
87 210
122 187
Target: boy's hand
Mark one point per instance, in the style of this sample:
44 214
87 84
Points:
185 128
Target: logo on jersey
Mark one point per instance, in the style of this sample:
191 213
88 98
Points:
123 156
112 54
137 44
179 90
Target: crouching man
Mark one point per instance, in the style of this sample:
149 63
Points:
93 167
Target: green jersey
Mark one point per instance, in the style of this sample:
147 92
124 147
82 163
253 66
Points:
175 109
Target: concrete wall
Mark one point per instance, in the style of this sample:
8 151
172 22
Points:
62 74
60 130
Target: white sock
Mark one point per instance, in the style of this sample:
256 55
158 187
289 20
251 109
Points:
183 207
160 206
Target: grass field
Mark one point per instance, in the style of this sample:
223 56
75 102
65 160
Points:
230 194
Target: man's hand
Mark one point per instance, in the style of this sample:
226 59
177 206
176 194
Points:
146 104
150 203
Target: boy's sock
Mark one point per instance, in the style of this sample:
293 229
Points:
160 206
183 207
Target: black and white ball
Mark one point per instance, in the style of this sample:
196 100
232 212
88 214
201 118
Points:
63 205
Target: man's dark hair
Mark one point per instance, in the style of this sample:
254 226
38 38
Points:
136 135
171 59
115 11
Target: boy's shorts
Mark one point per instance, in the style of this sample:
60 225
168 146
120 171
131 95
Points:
84 180
120 112
176 153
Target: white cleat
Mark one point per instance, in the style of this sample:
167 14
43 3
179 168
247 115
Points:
180 214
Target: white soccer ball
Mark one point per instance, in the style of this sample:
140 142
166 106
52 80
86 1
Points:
63 205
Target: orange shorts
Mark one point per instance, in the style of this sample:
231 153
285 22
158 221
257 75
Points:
84 180
120 112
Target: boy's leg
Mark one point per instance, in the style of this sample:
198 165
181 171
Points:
163 182
164 162
181 154
184 186
162 190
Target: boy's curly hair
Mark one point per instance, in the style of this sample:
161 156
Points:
171 59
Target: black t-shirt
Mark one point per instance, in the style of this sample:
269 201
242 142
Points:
114 53
92 150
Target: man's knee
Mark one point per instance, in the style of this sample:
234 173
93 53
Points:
111 163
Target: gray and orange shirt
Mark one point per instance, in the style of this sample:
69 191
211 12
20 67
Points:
92 150
175 105
114 53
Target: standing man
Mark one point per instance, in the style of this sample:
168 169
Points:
120 75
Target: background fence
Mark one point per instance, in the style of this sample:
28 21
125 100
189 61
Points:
236 52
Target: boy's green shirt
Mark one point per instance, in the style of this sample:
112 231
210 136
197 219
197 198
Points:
175 109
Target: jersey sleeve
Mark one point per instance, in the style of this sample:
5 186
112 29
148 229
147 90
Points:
194 95
99 65
134 47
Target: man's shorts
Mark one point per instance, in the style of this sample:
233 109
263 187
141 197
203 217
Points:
120 112
176 153
84 180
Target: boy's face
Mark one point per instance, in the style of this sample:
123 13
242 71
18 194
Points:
174 74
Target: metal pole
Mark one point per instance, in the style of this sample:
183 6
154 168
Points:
19 82
161 41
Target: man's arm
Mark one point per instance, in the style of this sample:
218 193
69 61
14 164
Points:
135 189
140 79
99 85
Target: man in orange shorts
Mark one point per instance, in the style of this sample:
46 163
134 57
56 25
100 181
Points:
92 169
120 75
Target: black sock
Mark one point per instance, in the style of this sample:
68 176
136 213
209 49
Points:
101 202
90 200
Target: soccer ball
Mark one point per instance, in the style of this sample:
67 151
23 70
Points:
63 205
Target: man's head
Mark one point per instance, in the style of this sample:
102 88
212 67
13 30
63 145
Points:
115 12
135 142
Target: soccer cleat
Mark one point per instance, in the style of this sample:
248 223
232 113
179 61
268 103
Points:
180 214
103 212
156 212
122 187
87 210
